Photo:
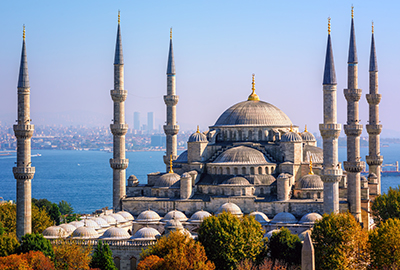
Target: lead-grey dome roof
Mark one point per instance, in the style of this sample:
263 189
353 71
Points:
291 136
310 218
199 216
85 233
241 155
253 113
167 180
175 214
230 208
307 136
237 181
197 137
310 181
260 217
115 233
54 232
284 217
148 216
146 233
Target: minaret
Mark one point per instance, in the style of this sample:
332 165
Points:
171 129
23 172
374 159
119 128
353 129
330 130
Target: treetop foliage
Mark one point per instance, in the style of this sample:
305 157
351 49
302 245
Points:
386 206
102 257
285 247
65 208
36 242
33 260
71 255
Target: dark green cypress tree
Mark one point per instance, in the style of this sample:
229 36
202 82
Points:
102 257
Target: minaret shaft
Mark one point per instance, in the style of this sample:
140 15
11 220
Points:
23 130
119 128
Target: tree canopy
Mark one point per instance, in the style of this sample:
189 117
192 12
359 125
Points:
65 208
102 257
285 247
71 255
36 242
386 206
228 239
32 260
340 243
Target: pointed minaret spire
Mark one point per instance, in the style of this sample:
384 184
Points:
373 63
119 58
329 72
171 61
352 47
23 80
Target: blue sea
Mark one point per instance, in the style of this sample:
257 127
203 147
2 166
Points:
84 178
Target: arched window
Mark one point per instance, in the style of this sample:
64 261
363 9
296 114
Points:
243 170
260 170
157 193
240 136
235 171
117 262
243 192
232 192
308 195
215 170
252 170
262 191
220 170
228 170
260 137
176 194
218 191
222 192
230 135
133 263
250 136
319 195
267 170
142 192
234 136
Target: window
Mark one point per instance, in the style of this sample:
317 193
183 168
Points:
262 191
250 137
228 170
252 170
260 137
133 263
117 262
235 171
260 170
243 170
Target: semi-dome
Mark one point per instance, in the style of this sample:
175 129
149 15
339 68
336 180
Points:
241 155
230 208
236 181
126 215
110 220
85 233
197 137
54 232
284 217
115 233
167 180
146 233
310 218
101 221
77 224
310 181
260 217
68 228
148 216
291 136
175 214
199 216
253 113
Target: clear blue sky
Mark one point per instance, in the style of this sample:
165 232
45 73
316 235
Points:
217 46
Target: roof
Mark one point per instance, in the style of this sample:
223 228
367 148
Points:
373 63
236 181
115 233
291 136
167 180
252 113
146 233
148 216
329 71
352 46
23 79
171 61
198 137
310 181
230 208
241 155
119 58
199 216
284 217
175 214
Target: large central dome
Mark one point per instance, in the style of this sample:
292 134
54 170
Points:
253 113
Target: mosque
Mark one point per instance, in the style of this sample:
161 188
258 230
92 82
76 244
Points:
252 160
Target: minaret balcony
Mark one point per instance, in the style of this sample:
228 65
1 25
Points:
330 130
374 129
171 129
331 175
24 173
374 160
171 100
119 129
119 164
373 99
119 95
166 159
354 166
23 131
353 130
352 95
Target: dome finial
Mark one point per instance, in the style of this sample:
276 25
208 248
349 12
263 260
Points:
170 164
329 25
310 166
170 33
119 17
305 129
372 27
198 130
253 95
291 128
23 33
352 11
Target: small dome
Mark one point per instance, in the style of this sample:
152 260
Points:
197 137
310 181
291 136
85 233
173 224
372 176
132 178
260 217
54 232
284 217
182 158
148 216
110 220
92 224
310 218
77 224
115 233
175 214
119 218
237 181
167 180
68 228
101 221
230 208
269 234
146 233
126 215
199 216
307 137
241 155
302 236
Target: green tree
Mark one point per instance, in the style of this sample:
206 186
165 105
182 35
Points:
55 213
71 255
51 209
340 243
65 208
228 239
40 220
386 206
285 246
8 244
385 245
102 257
36 242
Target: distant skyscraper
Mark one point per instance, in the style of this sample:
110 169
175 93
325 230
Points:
150 122
136 120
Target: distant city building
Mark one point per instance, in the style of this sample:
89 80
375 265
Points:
136 120
150 122
158 140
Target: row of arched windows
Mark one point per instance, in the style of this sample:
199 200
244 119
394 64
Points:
243 170
242 135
